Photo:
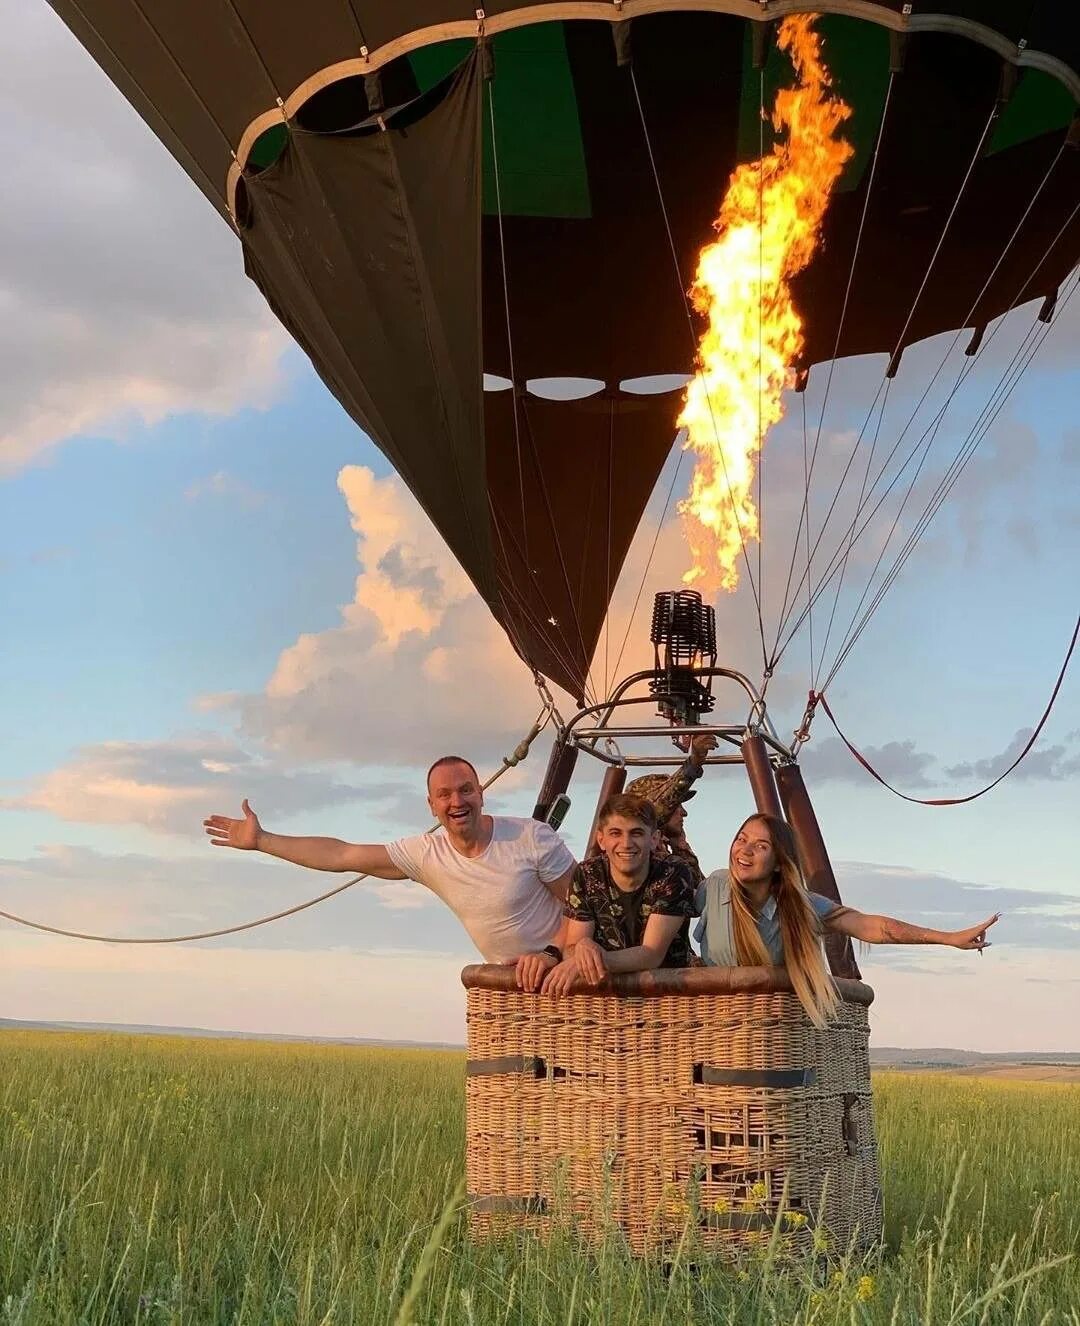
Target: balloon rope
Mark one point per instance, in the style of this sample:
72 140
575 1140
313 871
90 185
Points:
518 754
851 541
961 377
959 463
586 677
854 530
511 595
989 412
694 350
818 698
506 310
804 514
584 672
761 343
806 499
790 605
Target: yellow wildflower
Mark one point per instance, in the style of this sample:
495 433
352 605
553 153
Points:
759 1191
721 1205
795 1219
864 1290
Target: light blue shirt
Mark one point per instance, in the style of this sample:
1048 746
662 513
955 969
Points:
713 931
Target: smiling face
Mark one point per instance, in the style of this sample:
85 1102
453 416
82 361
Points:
752 859
628 844
456 800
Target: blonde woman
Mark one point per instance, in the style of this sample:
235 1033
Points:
759 913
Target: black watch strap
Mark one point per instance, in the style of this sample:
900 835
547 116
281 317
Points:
555 952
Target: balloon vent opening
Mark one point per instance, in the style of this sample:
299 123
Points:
683 635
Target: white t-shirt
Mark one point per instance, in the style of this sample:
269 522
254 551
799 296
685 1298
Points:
498 896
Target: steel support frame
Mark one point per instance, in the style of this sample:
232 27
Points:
772 770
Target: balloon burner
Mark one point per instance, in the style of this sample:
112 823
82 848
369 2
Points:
683 635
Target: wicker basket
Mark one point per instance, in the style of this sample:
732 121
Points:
681 1098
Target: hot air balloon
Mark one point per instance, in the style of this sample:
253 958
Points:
450 208
427 192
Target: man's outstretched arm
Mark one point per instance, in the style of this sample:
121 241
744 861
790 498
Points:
247 834
887 930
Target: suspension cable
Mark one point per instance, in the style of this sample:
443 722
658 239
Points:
854 525
648 564
804 515
835 561
851 541
785 615
973 796
588 685
506 311
1002 390
511 594
806 481
761 340
945 486
519 753
699 371
586 679
965 370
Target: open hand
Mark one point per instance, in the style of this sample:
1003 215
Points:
975 938
244 834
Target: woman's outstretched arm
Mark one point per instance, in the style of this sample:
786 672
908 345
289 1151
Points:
887 930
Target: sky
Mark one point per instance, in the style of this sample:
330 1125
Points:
213 586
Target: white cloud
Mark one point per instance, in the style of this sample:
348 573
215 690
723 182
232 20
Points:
326 970
897 761
169 786
1053 763
1031 919
138 895
122 294
416 663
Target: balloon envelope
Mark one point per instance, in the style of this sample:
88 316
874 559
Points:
422 207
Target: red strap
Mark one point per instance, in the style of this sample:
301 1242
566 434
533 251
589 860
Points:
957 801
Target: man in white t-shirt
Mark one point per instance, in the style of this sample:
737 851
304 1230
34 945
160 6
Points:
505 879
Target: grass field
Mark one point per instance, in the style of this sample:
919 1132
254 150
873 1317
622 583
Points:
154 1180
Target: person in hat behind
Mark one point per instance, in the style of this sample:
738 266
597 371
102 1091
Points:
668 794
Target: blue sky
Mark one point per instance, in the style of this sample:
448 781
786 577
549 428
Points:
193 610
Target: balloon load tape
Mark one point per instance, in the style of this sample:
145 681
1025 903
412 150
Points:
683 635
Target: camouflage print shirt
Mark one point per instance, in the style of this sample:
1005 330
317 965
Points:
619 917
685 853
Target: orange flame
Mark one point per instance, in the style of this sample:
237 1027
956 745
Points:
768 231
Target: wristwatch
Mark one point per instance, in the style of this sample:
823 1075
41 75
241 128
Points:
556 953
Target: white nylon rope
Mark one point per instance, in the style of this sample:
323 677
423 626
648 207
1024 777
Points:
519 753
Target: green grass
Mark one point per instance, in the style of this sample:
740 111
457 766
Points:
153 1180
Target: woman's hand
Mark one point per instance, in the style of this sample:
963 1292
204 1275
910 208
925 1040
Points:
975 938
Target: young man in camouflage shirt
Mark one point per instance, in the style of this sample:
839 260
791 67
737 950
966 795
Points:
668 794
628 909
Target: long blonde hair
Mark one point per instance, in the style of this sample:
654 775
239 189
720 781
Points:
799 926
